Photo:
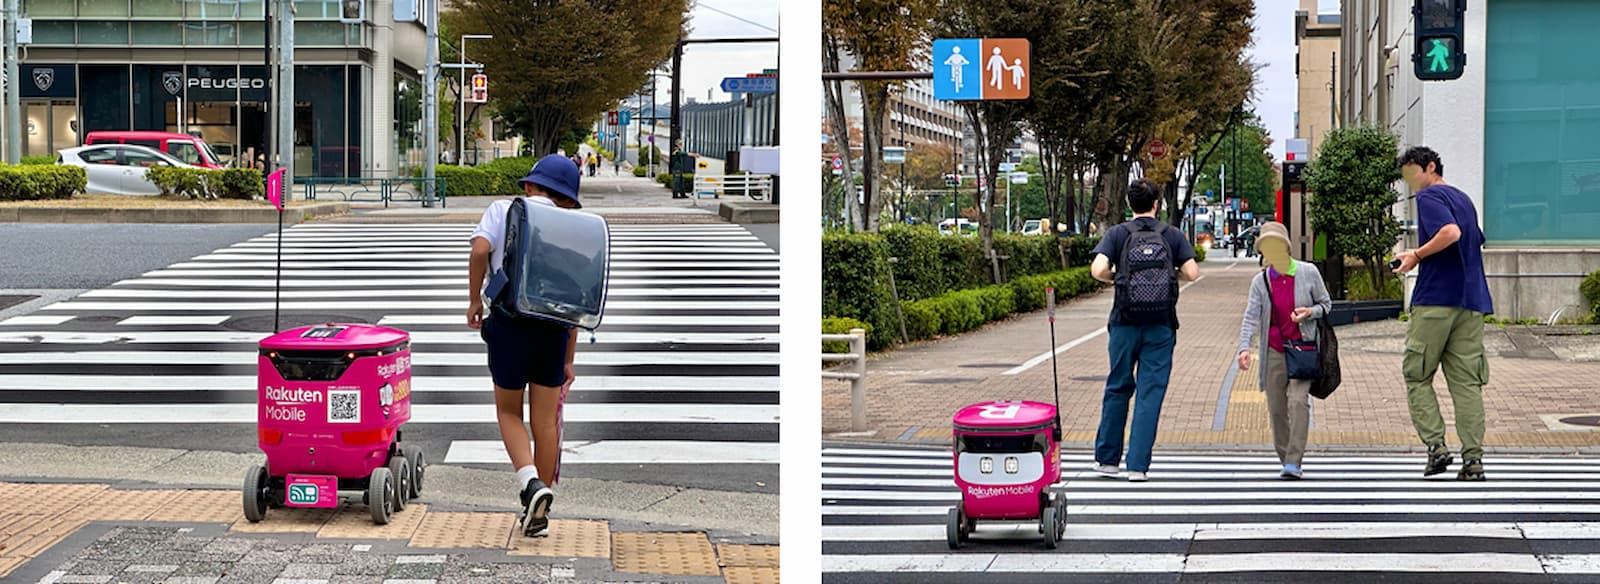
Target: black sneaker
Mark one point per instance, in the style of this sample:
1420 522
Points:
1439 460
536 499
1471 470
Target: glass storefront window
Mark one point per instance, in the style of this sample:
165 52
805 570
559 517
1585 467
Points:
252 8
54 33
1541 177
103 8
103 33
157 33
211 33
251 33
49 8
158 8
316 9
318 34
216 9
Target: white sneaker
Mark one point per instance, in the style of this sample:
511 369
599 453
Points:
1138 477
1109 471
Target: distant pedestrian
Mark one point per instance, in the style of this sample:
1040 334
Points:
1448 304
1284 305
594 163
1144 259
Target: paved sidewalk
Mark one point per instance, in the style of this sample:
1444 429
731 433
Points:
620 199
913 391
90 532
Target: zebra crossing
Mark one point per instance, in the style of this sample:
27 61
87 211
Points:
1222 518
683 369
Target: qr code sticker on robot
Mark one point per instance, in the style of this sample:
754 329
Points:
344 407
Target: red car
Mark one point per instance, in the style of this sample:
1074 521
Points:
189 149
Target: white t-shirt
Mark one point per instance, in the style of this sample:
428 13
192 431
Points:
492 228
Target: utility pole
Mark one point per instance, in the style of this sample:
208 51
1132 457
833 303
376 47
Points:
430 102
285 88
268 137
13 88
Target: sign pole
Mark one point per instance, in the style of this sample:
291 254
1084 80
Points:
14 135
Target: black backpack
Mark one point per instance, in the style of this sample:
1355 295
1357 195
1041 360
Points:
1147 284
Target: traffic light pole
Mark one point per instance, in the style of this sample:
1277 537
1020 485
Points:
13 88
675 135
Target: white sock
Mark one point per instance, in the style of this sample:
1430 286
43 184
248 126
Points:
526 475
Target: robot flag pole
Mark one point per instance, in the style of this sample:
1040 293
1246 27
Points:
275 194
1055 380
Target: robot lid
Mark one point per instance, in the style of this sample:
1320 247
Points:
336 336
997 415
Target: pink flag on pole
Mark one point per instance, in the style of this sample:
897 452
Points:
275 188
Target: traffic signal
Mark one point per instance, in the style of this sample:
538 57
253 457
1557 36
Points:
480 88
1440 35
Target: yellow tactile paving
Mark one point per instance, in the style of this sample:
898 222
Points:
19 522
9 564
464 530
567 539
931 434
46 499
353 521
286 521
684 554
123 505
748 556
204 506
750 575
38 537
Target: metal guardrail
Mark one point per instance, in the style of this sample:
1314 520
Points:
375 189
758 187
857 376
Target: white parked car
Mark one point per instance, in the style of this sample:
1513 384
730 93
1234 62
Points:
118 169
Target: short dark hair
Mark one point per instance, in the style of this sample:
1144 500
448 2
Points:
1142 195
1421 156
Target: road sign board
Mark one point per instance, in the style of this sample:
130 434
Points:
838 163
952 180
702 165
627 117
983 182
750 84
894 154
1008 166
1158 149
1019 178
611 118
1247 216
981 69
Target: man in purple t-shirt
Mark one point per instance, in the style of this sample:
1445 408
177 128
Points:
1447 308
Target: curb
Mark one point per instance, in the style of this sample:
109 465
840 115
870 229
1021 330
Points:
80 215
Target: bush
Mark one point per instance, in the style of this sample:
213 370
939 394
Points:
640 171
34 160
856 283
238 183
37 182
1358 283
833 325
469 181
509 170
1199 253
666 178
176 181
1590 289
922 322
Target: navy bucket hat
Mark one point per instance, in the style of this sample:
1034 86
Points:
557 175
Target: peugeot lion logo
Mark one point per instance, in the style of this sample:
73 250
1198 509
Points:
173 81
44 78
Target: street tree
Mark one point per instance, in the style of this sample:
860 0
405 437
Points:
558 63
878 35
1352 182
1253 177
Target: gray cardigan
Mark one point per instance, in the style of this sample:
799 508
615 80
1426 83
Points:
1309 291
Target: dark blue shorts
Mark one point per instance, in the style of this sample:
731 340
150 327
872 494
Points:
525 350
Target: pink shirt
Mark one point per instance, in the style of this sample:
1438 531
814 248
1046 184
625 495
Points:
1282 326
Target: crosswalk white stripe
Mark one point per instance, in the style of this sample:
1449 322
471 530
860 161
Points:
1263 482
627 452
454 283
1374 494
1342 562
461 264
419 384
1571 563
417 359
37 320
574 413
1296 509
383 258
1027 563
198 319
1166 468
403 293
1005 531
436 273
466 337
1333 482
929 457
365 305
1227 531
610 319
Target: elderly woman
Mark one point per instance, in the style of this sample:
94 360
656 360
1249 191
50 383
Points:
1288 296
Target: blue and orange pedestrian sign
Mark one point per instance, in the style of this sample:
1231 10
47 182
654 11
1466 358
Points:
981 69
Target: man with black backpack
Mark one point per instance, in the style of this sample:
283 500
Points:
1144 258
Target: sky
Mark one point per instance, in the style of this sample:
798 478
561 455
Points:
704 66
1277 92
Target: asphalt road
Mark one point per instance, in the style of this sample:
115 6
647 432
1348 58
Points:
70 256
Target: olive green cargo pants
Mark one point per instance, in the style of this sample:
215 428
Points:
1450 338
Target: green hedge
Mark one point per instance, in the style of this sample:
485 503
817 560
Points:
640 171
34 182
856 283
510 170
966 310
1590 288
466 181
1199 253
666 178
196 183
44 159
839 326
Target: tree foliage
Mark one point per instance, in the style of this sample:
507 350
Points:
1254 178
1351 180
556 63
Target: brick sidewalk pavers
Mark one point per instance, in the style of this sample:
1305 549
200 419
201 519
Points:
340 545
913 391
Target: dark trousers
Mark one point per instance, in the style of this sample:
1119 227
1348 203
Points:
1141 362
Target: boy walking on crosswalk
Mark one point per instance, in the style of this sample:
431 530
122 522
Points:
525 352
